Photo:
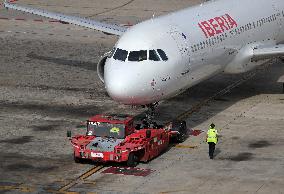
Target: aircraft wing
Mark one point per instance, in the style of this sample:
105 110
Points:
100 26
268 52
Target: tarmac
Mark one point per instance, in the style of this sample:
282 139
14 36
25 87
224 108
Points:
49 84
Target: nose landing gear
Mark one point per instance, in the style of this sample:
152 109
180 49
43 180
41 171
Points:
148 120
151 110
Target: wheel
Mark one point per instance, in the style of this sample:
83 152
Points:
77 159
132 160
180 127
180 138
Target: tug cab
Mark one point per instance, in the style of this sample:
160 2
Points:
114 138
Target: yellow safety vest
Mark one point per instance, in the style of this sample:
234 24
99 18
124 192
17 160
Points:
212 135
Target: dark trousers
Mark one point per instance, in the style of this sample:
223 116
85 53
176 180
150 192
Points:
211 149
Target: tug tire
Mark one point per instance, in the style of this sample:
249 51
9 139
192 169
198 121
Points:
132 160
180 127
77 159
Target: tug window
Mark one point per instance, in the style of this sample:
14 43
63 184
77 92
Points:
137 55
120 55
153 56
162 54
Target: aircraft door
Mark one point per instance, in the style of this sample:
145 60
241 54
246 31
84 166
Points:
182 44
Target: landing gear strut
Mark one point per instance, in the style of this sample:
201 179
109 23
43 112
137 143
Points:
149 115
151 111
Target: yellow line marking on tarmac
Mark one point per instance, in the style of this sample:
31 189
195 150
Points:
62 192
186 146
79 179
24 189
89 182
174 191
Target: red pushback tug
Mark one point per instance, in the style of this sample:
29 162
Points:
115 138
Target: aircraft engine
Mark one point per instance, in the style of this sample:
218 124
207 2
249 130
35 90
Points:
101 66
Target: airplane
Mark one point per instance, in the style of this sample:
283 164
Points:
162 57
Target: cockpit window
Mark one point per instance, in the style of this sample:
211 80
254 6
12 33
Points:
153 55
112 52
120 55
137 55
162 54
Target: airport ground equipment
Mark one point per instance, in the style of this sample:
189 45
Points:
116 138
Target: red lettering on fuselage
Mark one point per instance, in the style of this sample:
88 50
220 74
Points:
205 32
232 22
221 23
226 21
209 31
217 25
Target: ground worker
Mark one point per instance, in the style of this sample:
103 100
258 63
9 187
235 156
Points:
212 139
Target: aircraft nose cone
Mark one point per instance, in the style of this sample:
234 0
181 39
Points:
127 84
120 85
117 89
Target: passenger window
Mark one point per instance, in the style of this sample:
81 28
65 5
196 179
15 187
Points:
162 54
137 55
153 56
120 55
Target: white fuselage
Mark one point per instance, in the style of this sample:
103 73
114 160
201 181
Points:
199 42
